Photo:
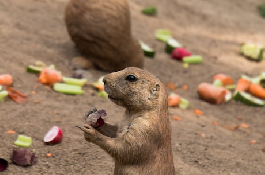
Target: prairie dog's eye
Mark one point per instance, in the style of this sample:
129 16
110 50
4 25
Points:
131 78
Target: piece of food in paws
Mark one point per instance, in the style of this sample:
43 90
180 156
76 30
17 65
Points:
95 118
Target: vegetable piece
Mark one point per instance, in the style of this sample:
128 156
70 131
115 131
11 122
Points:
95 117
171 45
198 112
215 123
163 35
48 154
102 94
74 81
11 132
225 79
34 69
23 141
257 90
173 100
231 87
252 142
242 84
243 125
185 65
179 53
252 51
211 93
68 89
176 118
148 51
247 99
6 80
218 83
98 86
50 76
24 157
3 165
17 96
194 59
228 95
185 87
53 136
150 10
3 94
184 104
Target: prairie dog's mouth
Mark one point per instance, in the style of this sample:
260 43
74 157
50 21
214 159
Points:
110 96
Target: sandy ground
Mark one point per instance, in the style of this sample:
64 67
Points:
33 30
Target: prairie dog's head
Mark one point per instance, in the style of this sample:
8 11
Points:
134 89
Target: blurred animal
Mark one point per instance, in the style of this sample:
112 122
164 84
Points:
101 31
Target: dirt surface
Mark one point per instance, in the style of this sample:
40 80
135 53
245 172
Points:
33 30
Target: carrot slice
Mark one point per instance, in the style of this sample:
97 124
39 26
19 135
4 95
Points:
243 125
252 142
215 123
50 76
257 90
6 80
48 154
211 93
198 112
225 79
17 96
176 118
185 87
242 84
11 132
171 86
173 100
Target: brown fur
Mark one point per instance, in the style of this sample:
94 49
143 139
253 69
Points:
141 143
101 30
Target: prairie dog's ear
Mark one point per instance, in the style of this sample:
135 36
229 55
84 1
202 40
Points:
154 91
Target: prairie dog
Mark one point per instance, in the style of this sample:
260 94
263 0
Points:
141 143
101 31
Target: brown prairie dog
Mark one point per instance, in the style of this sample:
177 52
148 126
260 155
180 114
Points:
141 143
101 31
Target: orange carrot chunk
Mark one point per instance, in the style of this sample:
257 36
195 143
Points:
6 80
173 100
242 84
225 79
211 93
257 90
50 76
17 96
198 112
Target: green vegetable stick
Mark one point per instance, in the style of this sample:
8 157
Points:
218 83
150 10
184 104
67 89
163 35
3 94
231 87
195 59
75 81
23 141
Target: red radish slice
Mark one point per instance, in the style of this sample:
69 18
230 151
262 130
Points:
54 135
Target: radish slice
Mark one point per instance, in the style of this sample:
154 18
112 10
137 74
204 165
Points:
54 135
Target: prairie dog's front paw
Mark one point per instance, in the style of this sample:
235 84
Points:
90 133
